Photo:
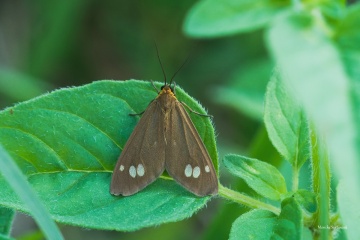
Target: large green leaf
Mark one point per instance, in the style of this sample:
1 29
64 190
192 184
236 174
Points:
262 177
286 123
213 18
67 143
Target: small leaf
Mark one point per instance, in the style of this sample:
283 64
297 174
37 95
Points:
306 199
256 224
6 220
67 144
212 18
286 123
261 224
289 224
262 177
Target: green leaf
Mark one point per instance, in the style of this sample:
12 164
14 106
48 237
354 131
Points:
306 199
83 199
67 143
212 18
6 220
289 224
256 224
313 66
246 89
262 177
21 187
261 224
286 123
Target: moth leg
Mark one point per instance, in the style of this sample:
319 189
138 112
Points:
152 82
136 114
197 113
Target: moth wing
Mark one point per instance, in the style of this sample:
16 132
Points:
143 157
187 159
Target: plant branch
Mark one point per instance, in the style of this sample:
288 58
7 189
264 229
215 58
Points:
246 200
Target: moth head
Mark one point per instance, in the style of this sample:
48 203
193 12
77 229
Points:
167 87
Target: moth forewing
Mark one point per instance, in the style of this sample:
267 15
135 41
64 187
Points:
143 157
187 159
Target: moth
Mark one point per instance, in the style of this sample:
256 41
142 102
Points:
164 138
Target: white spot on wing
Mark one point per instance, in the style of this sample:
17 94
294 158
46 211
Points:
132 171
196 172
188 170
207 169
121 168
140 170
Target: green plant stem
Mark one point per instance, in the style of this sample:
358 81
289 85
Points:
295 178
245 200
321 185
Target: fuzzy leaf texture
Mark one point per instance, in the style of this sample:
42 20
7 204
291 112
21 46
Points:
256 224
289 224
262 177
261 224
67 143
286 123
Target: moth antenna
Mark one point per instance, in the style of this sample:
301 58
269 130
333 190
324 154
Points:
186 60
162 68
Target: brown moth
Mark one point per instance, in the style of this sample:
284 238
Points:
165 138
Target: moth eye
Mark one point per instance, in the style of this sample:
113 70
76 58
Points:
207 169
196 172
188 170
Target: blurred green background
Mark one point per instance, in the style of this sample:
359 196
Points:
46 45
